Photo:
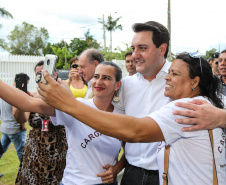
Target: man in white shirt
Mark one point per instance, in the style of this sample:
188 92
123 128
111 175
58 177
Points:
140 95
88 61
143 93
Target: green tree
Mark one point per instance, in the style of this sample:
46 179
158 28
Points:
118 53
60 52
77 46
4 13
49 48
209 53
27 40
111 25
92 43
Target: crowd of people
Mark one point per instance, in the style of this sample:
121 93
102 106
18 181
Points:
168 117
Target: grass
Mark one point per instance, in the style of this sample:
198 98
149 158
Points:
9 164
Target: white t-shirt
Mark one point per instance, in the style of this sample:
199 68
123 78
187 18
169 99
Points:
139 98
88 149
191 158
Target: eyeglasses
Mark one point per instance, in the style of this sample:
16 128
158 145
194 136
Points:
74 66
197 55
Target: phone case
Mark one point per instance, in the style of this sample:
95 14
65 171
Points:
21 82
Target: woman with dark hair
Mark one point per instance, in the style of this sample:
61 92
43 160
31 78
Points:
76 83
191 155
90 153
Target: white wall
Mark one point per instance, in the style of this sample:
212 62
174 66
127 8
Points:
121 64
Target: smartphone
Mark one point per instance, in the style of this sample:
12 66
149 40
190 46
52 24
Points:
21 81
49 65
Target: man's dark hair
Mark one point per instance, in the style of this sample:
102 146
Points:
224 51
128 53
94 54
40 63
160 33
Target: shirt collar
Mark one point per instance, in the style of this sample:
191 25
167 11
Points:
162 72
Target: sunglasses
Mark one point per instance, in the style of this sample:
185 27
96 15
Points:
74 66
197 55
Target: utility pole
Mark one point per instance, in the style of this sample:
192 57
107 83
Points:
104 32
65 55
169 29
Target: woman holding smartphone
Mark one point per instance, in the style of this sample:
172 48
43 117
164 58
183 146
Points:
90 153
77 84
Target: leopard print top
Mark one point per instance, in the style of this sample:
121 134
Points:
44 157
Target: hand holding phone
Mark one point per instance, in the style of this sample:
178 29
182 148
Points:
49 65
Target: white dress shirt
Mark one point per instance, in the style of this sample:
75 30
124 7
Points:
139 98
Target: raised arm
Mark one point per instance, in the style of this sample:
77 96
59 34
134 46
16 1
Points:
126 128
23 101
203 114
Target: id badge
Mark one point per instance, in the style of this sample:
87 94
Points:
45 125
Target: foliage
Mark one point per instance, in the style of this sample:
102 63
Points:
4 13
27 40
48 49
77 46
111 25
173 57
60 52
118 53
92 43
209 53
3 44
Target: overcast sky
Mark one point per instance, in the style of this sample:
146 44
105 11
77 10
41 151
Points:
195 24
